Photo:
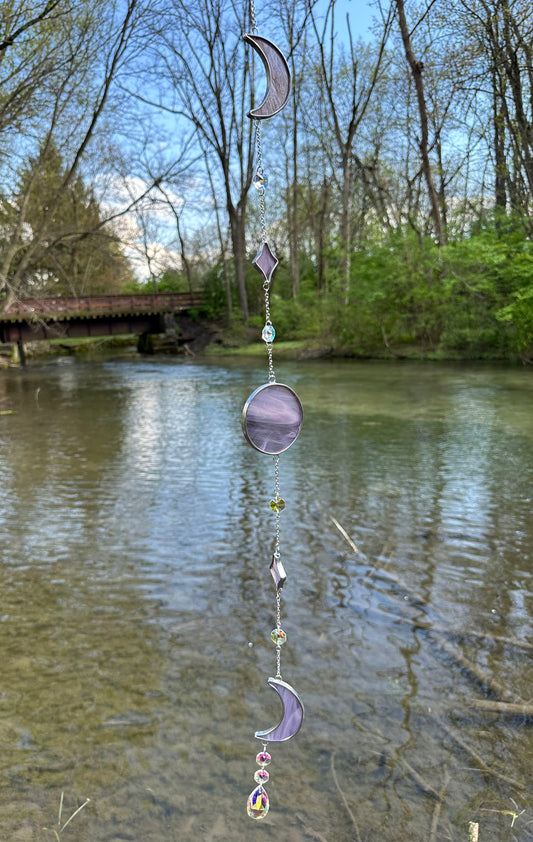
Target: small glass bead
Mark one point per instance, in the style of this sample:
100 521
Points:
261 776
269 333
278 636
263 758
277 505
260 181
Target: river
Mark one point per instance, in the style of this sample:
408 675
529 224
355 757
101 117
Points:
136 602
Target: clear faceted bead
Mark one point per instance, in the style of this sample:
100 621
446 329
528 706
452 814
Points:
260 180
277 505
257 806
268 334
261 776
263 758
278 636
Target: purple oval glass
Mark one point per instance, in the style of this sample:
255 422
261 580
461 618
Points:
272 418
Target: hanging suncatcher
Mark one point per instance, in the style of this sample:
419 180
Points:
271 418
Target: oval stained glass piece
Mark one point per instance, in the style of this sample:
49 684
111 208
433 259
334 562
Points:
272 418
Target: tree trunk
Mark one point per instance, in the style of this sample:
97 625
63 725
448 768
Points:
292 203
416 69
321 237
238 241
346 223
500 163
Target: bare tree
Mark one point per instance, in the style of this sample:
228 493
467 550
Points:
417 68
200 55
504 28
16 24
295 18
347 85
84 52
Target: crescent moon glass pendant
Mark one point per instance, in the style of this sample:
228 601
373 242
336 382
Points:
292 716
278 77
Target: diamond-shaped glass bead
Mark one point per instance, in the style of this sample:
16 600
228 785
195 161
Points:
278 573
265 262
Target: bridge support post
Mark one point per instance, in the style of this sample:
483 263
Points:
145 344
19 354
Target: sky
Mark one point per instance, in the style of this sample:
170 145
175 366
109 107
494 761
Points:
361 13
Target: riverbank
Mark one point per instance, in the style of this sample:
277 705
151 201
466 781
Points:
212 341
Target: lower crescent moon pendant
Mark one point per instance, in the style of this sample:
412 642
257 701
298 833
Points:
278 77
292 717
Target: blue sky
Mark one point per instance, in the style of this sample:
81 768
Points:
361 13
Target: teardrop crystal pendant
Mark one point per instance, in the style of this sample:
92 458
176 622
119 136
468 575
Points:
258 803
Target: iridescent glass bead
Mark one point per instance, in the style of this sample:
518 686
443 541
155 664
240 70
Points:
278 636
268 334
261 776
260 180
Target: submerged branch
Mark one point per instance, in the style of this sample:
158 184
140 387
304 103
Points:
509 708
438 808
481 764
344 533
344 801
475 672
420 781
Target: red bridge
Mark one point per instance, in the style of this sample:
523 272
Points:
92 315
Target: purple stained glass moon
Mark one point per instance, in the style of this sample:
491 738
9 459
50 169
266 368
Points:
292 717
272 418
278 77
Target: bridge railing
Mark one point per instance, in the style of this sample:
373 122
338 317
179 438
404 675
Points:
100 305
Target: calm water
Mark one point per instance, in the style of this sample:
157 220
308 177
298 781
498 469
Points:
136 603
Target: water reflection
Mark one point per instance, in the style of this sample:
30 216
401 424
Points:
136 605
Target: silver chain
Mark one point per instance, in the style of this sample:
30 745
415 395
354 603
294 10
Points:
277 496
260 173
262 219
278 626
268 321
253 23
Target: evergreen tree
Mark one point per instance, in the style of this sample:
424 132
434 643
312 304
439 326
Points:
79 254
